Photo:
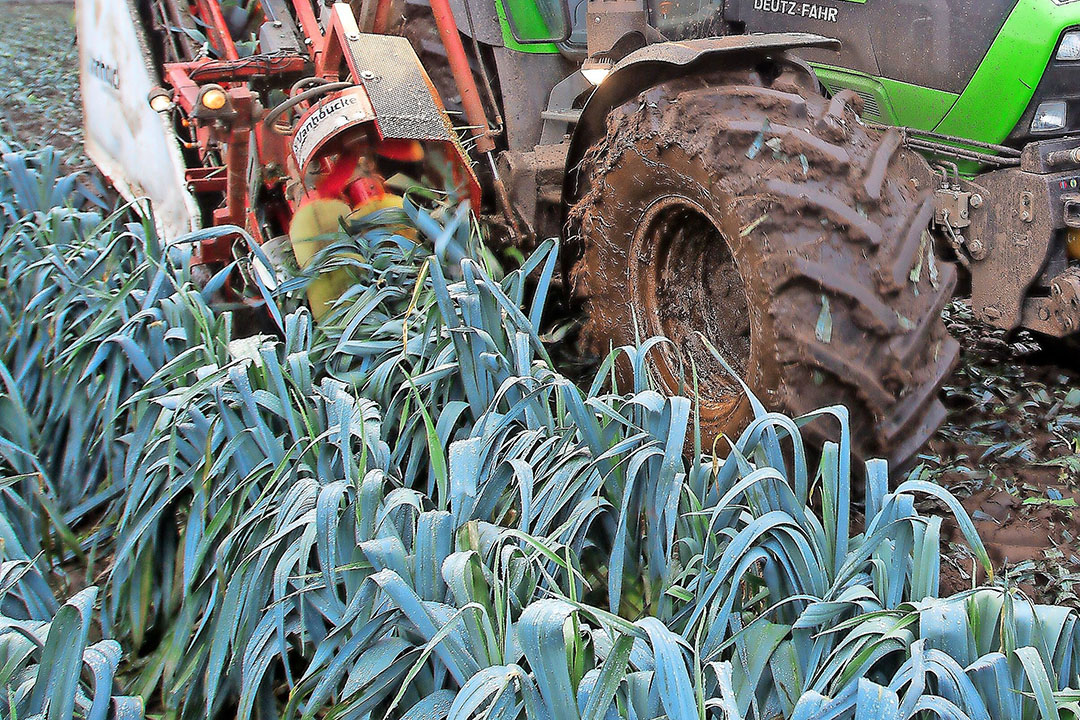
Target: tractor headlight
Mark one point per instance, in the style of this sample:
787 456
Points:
1049 116
1069 49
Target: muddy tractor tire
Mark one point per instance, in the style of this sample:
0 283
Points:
769 219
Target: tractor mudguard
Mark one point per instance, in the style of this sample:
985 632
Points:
660 62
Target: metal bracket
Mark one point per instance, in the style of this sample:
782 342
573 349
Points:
1059 314
1027 212
1070 204
560 113
952 207
1017 237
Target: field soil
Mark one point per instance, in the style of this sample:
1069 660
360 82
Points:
1010 448
39 77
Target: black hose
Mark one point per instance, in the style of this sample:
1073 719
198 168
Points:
277 112
301 84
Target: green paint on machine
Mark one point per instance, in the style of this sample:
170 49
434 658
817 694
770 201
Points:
890 101
998 94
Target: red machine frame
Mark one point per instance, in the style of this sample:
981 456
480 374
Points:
232 131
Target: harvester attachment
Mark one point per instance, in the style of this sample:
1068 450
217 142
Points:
282 121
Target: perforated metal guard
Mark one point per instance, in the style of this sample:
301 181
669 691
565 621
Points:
399 89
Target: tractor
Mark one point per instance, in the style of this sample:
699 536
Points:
798 188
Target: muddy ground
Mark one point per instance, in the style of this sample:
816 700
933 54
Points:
1010 448
39 81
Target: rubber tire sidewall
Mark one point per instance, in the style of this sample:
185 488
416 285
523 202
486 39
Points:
679 175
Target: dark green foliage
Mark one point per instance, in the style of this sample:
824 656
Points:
409 511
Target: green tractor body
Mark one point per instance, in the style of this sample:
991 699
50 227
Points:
977 70
612 109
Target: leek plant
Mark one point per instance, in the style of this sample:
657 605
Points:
51 669
407 511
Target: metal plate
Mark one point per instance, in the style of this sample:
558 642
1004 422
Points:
685 52
400 90
330 116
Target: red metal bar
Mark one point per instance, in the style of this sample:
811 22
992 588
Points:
463 77
206 180
226 71
273 151
382 17
236 158
218 29
186 92
329 63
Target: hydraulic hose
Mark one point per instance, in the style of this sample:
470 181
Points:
305 96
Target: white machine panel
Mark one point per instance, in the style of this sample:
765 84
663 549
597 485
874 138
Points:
135 147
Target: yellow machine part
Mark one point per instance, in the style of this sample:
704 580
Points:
311 225
1073 241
